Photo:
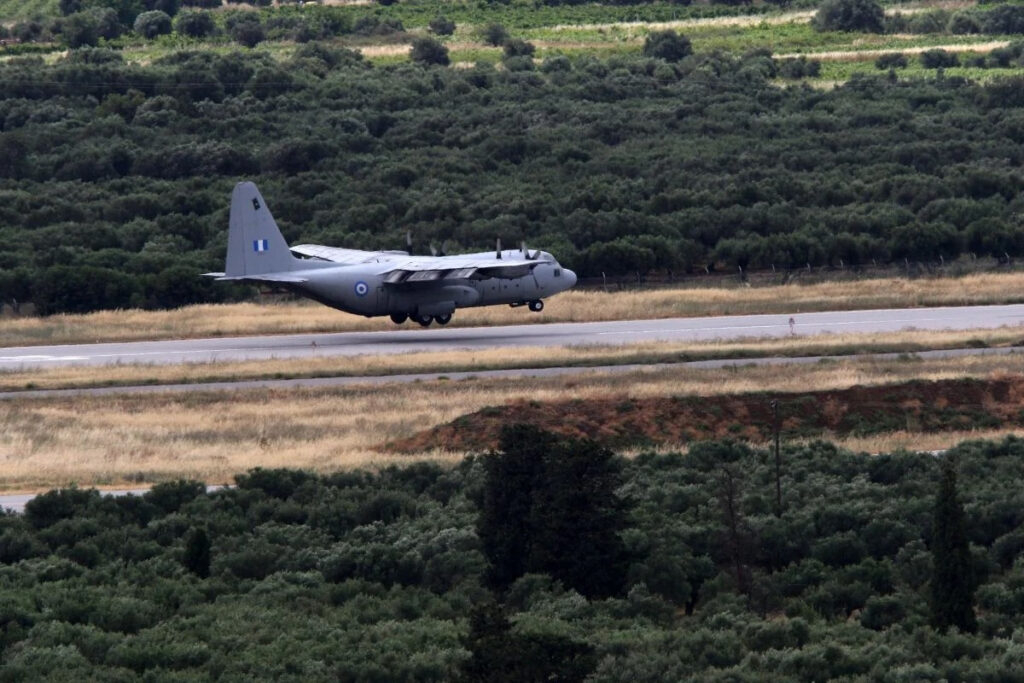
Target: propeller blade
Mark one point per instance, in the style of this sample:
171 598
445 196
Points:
444 248
408 241
433 251
498 248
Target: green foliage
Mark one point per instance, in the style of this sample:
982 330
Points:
195 24
126 211
953 577
891 60
495 34
667 45
428 51
442 26
850 15
939 59
152 24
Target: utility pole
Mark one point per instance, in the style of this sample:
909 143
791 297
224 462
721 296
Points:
778 459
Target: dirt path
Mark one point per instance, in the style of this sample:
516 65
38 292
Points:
855 55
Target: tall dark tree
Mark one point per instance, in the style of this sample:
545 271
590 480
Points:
953 583
197 553
576 519
499 654
511 477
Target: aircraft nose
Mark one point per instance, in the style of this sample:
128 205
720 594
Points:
570 278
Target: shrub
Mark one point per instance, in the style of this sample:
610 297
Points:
667 45
938 59
866 16
515 47
891 60
442 26
195 24
152 24
428 51
962 23
495 34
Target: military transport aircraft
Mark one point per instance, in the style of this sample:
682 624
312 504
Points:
420 288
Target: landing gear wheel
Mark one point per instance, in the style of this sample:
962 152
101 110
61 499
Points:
537 306
424 320
443 319
399 318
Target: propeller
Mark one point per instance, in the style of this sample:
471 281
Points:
498 248
408 241
526 252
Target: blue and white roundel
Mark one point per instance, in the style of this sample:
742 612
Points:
362 288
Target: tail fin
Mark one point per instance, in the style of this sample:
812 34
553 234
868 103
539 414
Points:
255 243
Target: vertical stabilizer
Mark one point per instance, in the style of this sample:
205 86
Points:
255 243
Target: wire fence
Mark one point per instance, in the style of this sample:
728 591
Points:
711 278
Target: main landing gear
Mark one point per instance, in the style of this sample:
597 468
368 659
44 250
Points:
536 305
423 320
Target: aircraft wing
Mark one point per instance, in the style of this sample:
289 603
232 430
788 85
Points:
454 268
341 256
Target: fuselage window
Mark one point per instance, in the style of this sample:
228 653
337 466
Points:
558 272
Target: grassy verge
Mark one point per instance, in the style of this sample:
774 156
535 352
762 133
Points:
133 440
230 320
497 359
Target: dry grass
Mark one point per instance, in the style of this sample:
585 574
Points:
576 306
856 55
910 341
131 440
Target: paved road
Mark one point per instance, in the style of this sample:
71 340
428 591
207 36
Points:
407 340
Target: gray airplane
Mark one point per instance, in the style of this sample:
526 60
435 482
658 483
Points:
424 289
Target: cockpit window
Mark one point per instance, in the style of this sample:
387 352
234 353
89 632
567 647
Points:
558 272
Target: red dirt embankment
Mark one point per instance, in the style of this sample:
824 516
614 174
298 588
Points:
925 406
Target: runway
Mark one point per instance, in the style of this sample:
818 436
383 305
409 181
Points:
408 340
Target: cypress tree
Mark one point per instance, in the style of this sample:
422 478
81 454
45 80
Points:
952 586
511 477
197 553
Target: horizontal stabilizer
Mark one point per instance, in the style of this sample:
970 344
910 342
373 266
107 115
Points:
263 277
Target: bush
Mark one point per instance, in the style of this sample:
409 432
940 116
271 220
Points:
495 34
667 45
248 33
195 24
891 60
801 67
428 51
938 59
516 47
442 26
152 24
963 23
865 16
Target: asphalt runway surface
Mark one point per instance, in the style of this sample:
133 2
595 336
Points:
414 339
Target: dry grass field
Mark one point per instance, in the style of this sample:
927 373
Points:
577 306
910 341
133 440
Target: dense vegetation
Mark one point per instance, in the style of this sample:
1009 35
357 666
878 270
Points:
114 178
390 576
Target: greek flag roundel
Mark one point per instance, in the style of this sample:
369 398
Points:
362 288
